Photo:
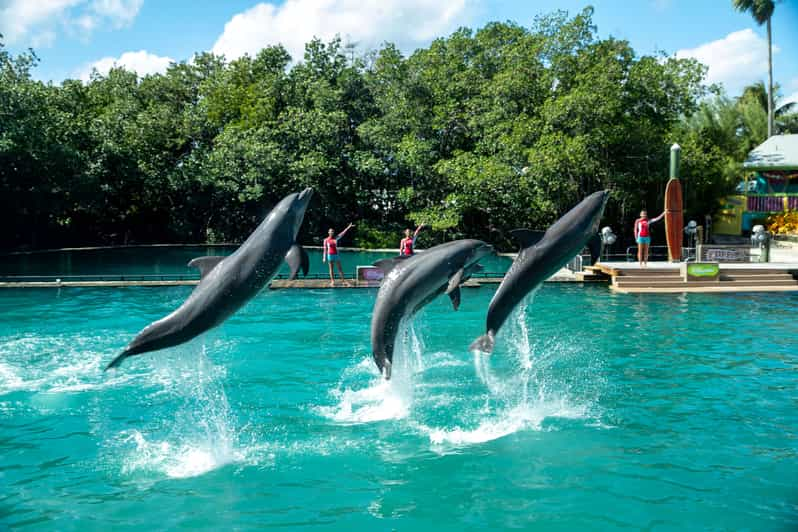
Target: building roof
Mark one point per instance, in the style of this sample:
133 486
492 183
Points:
779 152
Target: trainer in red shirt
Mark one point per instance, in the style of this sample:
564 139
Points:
408 243
329 252
643 236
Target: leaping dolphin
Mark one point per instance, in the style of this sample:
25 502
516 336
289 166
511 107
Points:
541 255
227 283
411 283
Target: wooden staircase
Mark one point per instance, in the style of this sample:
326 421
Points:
669 280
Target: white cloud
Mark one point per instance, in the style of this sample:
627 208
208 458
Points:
19 18
407 23
141 62
37 22
737 60
792 93
120 13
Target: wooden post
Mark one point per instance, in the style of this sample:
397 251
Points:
673 208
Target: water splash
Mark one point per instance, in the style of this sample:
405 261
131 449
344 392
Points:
498 425
201 436
176 460
523 386
370 397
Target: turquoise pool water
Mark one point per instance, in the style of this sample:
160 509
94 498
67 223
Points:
597 411
170 260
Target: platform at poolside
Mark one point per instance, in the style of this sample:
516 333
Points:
666 277
313 281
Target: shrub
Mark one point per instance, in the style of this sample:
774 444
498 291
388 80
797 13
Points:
370 237
783 223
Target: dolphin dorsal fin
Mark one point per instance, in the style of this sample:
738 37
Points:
386 265
297 259
205 264
454 295
527 238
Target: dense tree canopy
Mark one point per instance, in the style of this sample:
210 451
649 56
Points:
479 133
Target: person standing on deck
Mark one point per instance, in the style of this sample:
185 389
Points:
329 252
408 243
643 236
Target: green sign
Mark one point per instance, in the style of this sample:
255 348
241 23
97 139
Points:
703 270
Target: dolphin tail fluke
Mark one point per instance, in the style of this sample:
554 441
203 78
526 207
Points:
118 360
483 344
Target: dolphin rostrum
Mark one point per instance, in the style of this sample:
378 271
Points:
410 283
541 256
227 283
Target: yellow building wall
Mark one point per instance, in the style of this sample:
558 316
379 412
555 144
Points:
729 219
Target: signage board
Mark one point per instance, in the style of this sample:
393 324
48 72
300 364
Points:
713 253
701 271
369 275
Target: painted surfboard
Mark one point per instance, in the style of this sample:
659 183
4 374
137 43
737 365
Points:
673 219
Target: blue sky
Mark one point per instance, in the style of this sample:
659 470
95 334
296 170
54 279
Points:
72 36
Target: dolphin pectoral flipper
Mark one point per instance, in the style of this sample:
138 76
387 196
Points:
297 259
454 295
527 238
594 245
205 264
455 281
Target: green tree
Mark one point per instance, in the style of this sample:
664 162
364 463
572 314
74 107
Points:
480 132
762 11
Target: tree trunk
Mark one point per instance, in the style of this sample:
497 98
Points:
770 82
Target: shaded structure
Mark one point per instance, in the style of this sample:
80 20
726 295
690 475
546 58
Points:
770 186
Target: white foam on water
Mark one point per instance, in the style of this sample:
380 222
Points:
178 459
202 436
9 379
520 394
380 400
51 364
442 359
501 424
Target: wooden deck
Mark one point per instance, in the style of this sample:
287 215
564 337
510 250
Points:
103 284
314 282
665 278
318 284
